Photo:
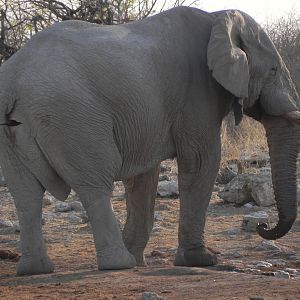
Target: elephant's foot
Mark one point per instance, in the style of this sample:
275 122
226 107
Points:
34 265
115 259
139 256
195 257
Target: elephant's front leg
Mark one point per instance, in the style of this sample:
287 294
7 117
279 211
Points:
197 173
28 194
141 192
111 251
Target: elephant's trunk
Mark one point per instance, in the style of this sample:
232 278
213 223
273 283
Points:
283 140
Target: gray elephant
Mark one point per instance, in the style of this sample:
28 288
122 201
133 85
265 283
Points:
94 104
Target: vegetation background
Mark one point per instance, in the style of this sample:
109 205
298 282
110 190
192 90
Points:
21 19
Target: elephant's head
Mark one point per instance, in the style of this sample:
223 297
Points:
245 62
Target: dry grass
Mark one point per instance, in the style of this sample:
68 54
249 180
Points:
239 142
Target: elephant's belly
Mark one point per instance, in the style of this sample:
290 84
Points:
143 162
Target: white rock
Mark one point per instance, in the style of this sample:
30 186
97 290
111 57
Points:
248 205
291 271
75 219
62 207
167 188
245 188
49 216
282 274
277 262
151 296
6 224
76 205
260 264
269 246
48 200
251 221
157 216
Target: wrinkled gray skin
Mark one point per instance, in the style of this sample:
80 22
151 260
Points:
105 103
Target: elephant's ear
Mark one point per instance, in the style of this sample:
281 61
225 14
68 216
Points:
227 61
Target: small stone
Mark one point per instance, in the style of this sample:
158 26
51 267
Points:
157 253
157 216
156 230
62 207
6 224
251 221
257 298
269 246
167 189
292 271
75 219
277 262
164 169
248 205
151 296
234 231
49 216
162 206
163 178
225 175
282 274
260 264
48 200
76 205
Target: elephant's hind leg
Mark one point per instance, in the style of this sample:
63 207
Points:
111 252
28 194
141 192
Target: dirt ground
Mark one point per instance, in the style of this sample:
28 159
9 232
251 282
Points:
76 276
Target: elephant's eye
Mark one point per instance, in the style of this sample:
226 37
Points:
274 71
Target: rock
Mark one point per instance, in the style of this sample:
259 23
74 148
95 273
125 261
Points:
251 221
295 258
8 254
225 175
157 253
75 219
151 296
162 206
245 188
234 231
248 205
156 230
49 216
157 216
268 246
76 206
257 298
163 178
6 224
164 169
282 274
260 264
262 190
167 189
291 271
62 207
237 191
277 262
48 200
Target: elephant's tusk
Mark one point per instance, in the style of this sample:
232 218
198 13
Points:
293 116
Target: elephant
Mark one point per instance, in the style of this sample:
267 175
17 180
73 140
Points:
83 105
